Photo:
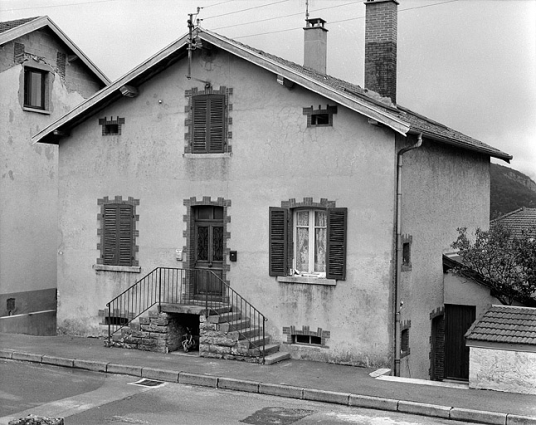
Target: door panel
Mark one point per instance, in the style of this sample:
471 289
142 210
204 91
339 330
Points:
458 319
208 239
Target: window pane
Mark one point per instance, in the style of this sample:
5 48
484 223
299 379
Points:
302 218
217 244
35 89
320 250
321 219
302 249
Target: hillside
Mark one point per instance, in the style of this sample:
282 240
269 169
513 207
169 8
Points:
510 190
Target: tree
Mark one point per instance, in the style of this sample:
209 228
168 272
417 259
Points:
503 262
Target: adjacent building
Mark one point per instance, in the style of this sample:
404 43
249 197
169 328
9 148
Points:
43 75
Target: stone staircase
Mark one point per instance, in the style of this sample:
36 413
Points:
223 334
228 336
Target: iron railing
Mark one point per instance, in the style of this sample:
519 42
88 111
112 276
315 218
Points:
204 288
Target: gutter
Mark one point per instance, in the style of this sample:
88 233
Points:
398 252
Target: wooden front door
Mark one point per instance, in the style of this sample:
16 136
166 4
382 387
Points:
208 240
458 319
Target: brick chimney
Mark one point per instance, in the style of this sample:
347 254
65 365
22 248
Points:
380 47
316 42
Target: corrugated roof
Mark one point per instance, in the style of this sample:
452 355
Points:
522 219
8 25
505 324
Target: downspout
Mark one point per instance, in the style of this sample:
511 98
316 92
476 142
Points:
398 253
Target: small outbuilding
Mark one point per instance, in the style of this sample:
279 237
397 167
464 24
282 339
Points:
502 346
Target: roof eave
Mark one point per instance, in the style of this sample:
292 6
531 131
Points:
492 153
52 133
352 103
44 21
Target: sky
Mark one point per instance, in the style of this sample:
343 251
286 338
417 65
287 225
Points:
469 64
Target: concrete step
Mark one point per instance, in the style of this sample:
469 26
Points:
225 317
256 342
276 357
271 349
250 332
238 325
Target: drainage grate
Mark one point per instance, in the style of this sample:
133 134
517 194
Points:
148 383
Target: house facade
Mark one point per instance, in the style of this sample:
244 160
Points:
284 181
43 75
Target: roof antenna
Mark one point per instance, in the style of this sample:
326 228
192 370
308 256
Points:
307 11
192 44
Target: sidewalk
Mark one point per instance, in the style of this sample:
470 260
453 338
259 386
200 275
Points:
292 378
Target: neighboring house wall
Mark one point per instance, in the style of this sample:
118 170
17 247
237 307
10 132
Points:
28 176
275 158
443 188
495 368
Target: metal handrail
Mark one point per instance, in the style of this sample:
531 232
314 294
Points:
175 285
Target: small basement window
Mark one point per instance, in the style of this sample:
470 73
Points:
307 339
320 117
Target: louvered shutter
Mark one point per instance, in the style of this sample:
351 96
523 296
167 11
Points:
336 243
208 122
216 126
117 235
278 231
199 124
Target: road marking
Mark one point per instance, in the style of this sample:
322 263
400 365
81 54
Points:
114 388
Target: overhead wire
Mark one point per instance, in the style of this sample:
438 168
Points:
342 20
244 10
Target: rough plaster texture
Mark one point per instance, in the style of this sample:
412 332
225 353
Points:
28 173
275 157
502 370
442 189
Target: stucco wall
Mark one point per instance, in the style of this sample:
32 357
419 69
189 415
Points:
275 157
443 188
502 370
28 176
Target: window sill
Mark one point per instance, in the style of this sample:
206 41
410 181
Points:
124 269
307 280
207 155
39 111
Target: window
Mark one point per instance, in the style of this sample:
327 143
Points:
118 232
320 117
35 82
310 246
318 237
208 123
406 252
208 120
307 339
111 127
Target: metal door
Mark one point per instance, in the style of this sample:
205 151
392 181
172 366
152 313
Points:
458 319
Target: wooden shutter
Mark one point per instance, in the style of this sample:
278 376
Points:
216 126
278 241
208 122
118 235
199 124
336 243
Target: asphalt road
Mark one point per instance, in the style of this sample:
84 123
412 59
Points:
86 398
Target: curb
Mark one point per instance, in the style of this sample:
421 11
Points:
287 391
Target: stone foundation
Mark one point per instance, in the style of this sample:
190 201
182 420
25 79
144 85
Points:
215 341
160 332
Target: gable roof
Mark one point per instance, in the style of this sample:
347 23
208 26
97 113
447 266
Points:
11 30
505 324
362 101
522 219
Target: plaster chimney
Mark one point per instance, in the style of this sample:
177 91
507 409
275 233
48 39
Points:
315 48
380 47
